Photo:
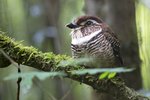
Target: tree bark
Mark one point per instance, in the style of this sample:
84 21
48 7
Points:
49 62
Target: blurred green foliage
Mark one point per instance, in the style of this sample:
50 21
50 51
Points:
143 27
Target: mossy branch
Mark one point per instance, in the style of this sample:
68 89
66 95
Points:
49 62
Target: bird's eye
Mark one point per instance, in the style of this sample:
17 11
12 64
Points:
89 23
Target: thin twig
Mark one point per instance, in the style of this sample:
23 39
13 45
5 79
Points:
19 71
18 84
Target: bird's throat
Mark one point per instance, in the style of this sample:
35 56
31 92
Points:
81 40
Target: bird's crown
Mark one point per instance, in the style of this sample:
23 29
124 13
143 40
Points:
84 21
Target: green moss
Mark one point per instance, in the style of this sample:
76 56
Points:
30 55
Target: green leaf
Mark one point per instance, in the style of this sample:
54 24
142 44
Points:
74 62
30 75
101 70
103 75
111 75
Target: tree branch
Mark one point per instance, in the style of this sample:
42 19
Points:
49 62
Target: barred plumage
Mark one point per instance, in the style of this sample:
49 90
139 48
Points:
91 37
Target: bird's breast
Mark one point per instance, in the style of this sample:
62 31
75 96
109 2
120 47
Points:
97 47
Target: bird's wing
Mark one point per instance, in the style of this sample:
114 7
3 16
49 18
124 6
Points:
111 37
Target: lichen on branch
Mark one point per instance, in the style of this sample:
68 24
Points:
50 62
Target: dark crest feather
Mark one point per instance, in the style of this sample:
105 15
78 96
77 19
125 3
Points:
84 18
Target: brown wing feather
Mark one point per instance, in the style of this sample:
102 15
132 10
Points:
115 44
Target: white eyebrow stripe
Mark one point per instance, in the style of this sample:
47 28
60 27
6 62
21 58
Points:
79 41
94 21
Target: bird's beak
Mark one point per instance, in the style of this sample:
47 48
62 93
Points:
71 26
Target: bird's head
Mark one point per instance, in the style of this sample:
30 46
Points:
84 26
84 21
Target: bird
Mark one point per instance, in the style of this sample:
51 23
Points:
92 38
